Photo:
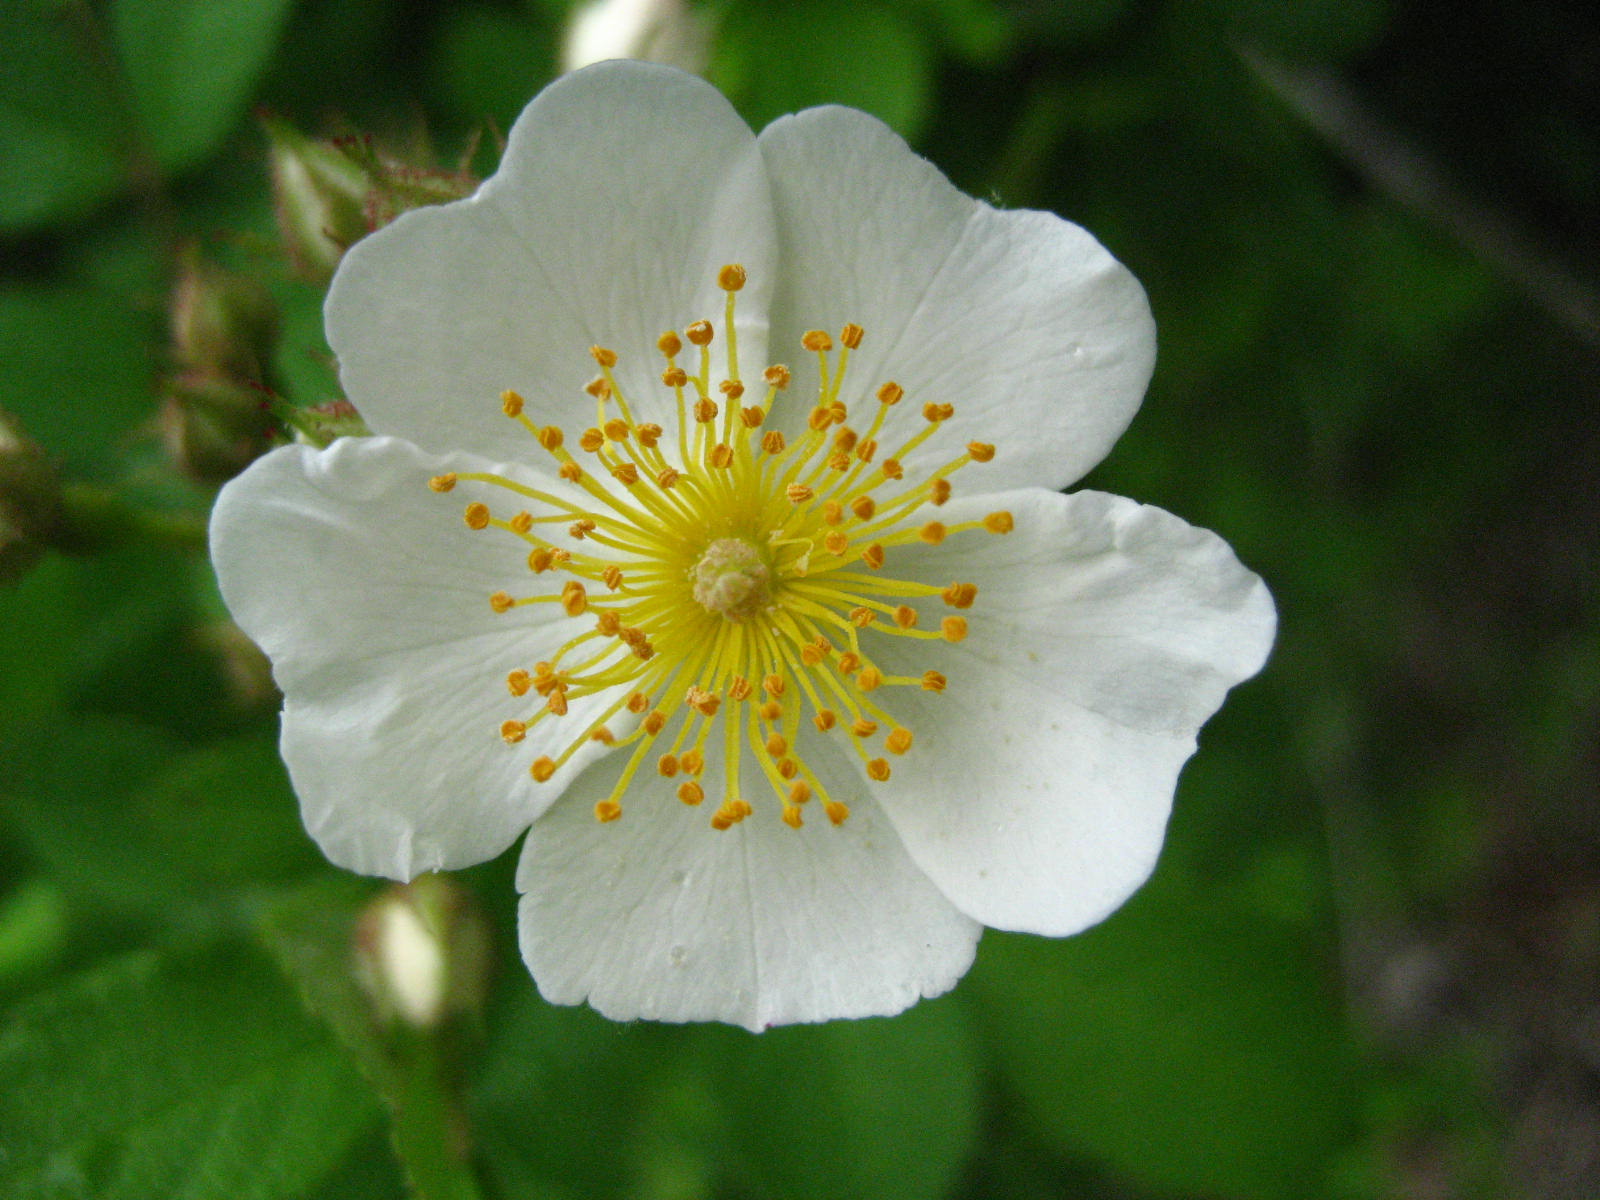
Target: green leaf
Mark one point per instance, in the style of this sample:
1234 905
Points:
186 1078
60 148
192 65
126 814
1191 1043
774 58
886 1108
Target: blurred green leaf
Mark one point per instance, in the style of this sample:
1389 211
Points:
60 132
1190 1042
489 63
186 1078
780 56
126 814
886 1108
192 65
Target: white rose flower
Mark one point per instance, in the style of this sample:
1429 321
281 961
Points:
796 676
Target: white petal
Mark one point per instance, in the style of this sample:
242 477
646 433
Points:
370 596
1104 634
1024 323
624 188
657 915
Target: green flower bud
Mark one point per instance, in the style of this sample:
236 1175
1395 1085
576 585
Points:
320 194
32 517
223 323
422 953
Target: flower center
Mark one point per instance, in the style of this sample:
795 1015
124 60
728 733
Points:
730 579
727 582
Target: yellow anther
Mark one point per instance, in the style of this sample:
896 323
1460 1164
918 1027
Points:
573 598
608 624
838 412
788 768
571 472
443 483
752 416
777 745
905 616
705 411
638 702
669 344
811 655
626 474
522 522
731 388
773 442
892 469
999 522
704 702
878 769
513 732
960 595
510 403
770 711
612 577
867 450
798 493
582 527
832 512
980 451
518 682
602 735
700 333
501 602
648 435
850 335
939 491
615 430
836 542
837 813
777 376
476 516
839 461
740 688
655 723
845 440
731 278
933 533
864 507
772 685
667 765
799 792
591 440
873 556
675 377
849 661
938 412
692 762
816 340
891 393
863 728
543 767
869 679
607 811
793 817
667 477
933 681
722 456
690 792
898 741
825 719
954 629
819 418
606 358
557 702
861 617
599 387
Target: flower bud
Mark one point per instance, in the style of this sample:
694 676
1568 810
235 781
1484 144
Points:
319 424
213 427
31 513
223 323
319 193
422 952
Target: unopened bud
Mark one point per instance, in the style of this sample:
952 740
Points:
213 427
422 952
31 512
223 323
319 193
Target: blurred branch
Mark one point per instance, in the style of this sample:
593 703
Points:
1401 170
